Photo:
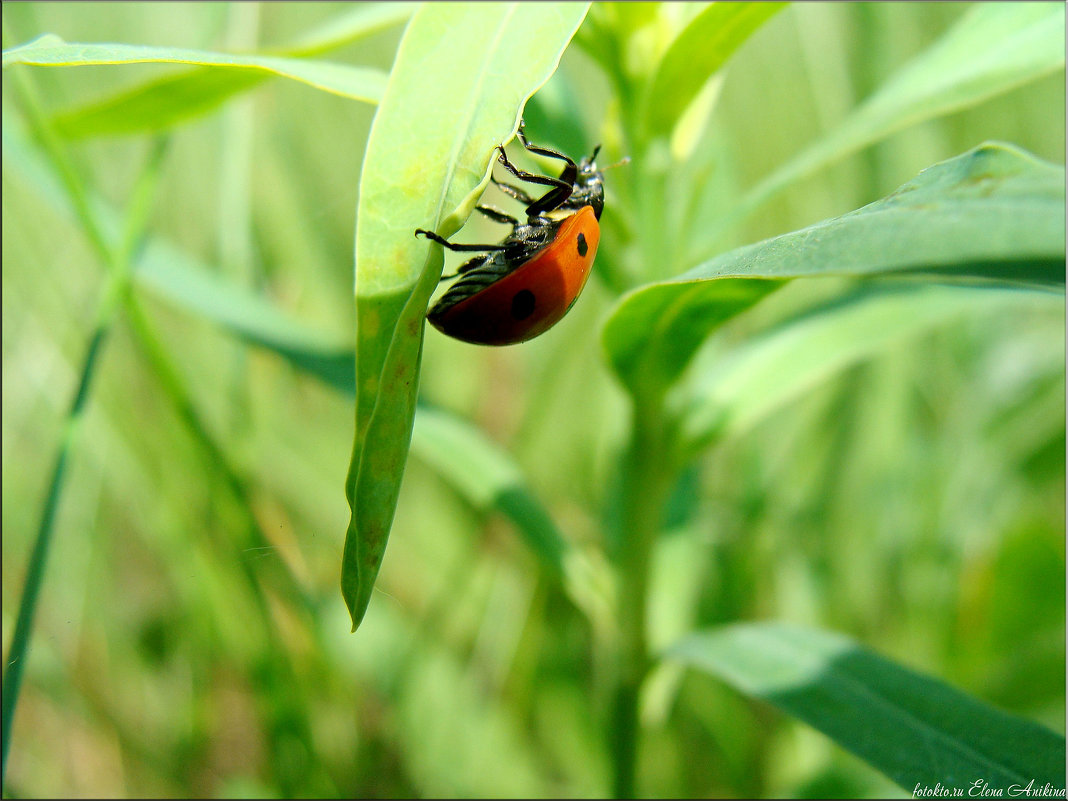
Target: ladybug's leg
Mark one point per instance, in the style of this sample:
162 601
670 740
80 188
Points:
512 191
457 248
561 188
541 150
567 175
498 216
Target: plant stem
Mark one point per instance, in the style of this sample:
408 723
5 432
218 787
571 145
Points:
646 473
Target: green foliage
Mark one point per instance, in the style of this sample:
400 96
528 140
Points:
993 214
855 425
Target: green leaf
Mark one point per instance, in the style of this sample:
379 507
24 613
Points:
915 729
163 102
994 214
773 367
697 53
450 101
994 47
166 101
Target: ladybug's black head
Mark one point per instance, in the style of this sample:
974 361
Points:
589 185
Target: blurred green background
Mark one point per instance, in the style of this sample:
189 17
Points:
915 501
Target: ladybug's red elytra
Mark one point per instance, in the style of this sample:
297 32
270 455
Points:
522 286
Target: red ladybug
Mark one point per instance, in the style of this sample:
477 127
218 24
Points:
522 286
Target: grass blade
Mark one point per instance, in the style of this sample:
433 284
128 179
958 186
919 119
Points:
698 52
35 571
995 47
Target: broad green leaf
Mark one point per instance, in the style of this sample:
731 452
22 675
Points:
698 52
994 214
773 367
164 102
358 83
994 47
449 101
914 728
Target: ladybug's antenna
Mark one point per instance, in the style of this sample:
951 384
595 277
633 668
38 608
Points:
620 163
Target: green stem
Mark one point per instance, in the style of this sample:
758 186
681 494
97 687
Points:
647 474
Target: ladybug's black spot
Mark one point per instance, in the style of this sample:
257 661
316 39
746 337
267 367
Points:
522 304
583 248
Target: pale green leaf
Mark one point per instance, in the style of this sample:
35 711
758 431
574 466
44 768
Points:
163 102
358 83
450 100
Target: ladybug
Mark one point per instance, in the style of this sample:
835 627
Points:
522 286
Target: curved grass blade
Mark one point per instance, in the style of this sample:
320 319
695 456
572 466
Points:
994 47
351 25
994 214
487 478
49 50
163 102
697 53
917 730
466 90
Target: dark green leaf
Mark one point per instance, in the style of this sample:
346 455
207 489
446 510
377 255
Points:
917 730
994 214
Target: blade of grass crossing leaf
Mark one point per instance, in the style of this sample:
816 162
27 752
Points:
995 47
467 89
349 26
697 53
111 293
994 214
485 475
35 571
914 728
